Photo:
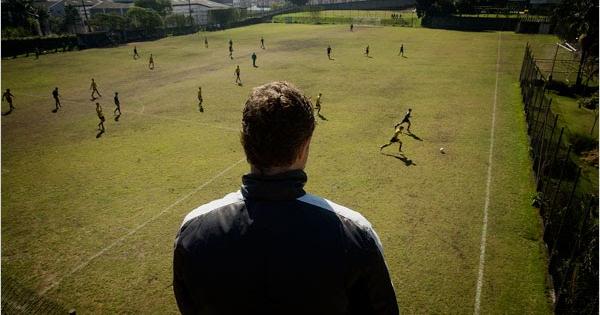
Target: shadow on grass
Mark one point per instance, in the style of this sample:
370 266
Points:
401 157
414 136
7 112
18 299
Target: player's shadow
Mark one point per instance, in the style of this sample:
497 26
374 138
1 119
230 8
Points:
7 112
240 84
99 134
370 57
404 57
401 157
255 66
331 58
55 110
322 117
414 136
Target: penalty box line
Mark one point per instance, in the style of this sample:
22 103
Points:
487 189
136 229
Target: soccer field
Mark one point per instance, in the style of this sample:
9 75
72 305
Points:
89 223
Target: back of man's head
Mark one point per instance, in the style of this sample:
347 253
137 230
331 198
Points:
277 122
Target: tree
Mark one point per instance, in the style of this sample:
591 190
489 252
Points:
144 18
428 8
71 18
176 20
577 20
109 22
298 2
163 7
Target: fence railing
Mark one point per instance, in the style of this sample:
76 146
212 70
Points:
569 213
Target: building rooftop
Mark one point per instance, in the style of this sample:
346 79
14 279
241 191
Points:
206 3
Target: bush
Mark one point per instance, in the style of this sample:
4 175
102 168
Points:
589 102
582 143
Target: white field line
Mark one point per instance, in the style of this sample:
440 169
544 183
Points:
487 189
137 228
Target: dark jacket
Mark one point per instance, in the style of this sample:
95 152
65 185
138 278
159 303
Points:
273 249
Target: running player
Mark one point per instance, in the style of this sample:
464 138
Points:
151 62
318 104
8 96
56 99
262 42
117 104
406 119
395 138
135 53
101 116
367 51
205 42
231 52
254 60
401 50
238 80
329 52
351 27
200 108
94 88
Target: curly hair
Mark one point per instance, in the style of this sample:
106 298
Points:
277 120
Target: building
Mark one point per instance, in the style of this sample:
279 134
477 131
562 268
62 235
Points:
109 7
197 8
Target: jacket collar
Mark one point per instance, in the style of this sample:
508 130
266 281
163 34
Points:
284 186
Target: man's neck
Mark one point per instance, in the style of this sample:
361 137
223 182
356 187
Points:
274 170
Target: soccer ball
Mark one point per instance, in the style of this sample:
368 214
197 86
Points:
442 151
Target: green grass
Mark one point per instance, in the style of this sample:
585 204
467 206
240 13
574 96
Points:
374 17
67 196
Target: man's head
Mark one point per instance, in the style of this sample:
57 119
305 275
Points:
116 93
277 124
8 90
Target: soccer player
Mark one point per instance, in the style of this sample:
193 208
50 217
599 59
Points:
401 50
329 52
318 104
200 108
351 27
94 88
238 80
395 138
8 96
101 116
56 99
231 52
135 53
254 60
230 43
151 62
406 119
117 104
262 42
205 42
367 51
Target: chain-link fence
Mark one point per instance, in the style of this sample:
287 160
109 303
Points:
569 213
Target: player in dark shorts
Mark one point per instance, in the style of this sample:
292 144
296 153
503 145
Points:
238 80
329 52
9 99
94 88
205 42
151 62
367 51
56 99
395 138
254 60
117 104
318 104
262 42
401 50
135 53
200 108
101 116
406 119
351 27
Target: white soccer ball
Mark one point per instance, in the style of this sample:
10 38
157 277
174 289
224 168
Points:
442 150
